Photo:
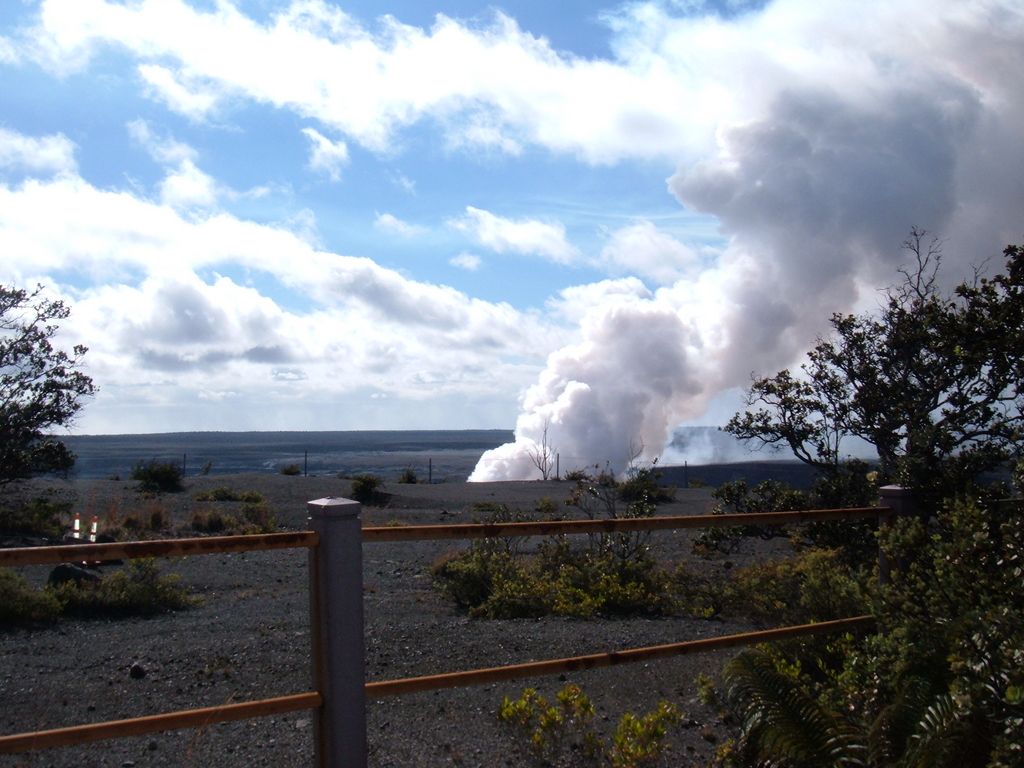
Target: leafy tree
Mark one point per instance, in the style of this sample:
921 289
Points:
40 387
934 382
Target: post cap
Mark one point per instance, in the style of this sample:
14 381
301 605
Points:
333 507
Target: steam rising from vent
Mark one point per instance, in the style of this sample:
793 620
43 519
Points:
814 188
612 397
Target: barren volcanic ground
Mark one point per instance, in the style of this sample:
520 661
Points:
250 640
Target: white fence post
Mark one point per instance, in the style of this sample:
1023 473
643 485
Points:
901 501
336 618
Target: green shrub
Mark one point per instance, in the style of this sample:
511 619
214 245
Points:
408 476
138 590
492 580
291 469
643 487
560 734
940 682
366 489
208 521
223 493
813 586
850 486
158 476
21 603
610 575
133 522
258 518
157 518
40 517
548 508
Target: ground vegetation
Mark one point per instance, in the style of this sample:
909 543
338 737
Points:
934 383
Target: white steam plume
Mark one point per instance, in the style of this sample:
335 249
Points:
815 193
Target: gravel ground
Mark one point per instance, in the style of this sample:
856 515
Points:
250 640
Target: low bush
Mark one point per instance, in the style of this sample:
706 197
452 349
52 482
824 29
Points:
257 517
157 518
138 590
133 522
408 476
291 469
853 486
223 493
812 586
367 489
493 579
560 734
939 682
253 518
643 487
21 603
612 574
43 516
212 521
156 476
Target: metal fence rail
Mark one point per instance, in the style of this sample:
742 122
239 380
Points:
597 660
208 545
335 542
616 525
137 726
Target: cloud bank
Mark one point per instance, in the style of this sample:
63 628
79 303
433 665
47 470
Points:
160 318
816 134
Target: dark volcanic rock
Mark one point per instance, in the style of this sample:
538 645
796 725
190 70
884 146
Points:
66 572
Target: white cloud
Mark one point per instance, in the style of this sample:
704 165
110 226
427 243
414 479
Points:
184 185
8 51
527 236
166 150
190 96
326 155
163 337
385 222
317 61
671 83
466 261
48 153
188 187
645 250
404 182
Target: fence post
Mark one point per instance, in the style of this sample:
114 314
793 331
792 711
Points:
901 501
336 618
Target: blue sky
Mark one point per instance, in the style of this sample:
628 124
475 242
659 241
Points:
602 218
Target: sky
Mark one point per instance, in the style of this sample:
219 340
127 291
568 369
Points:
593 219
